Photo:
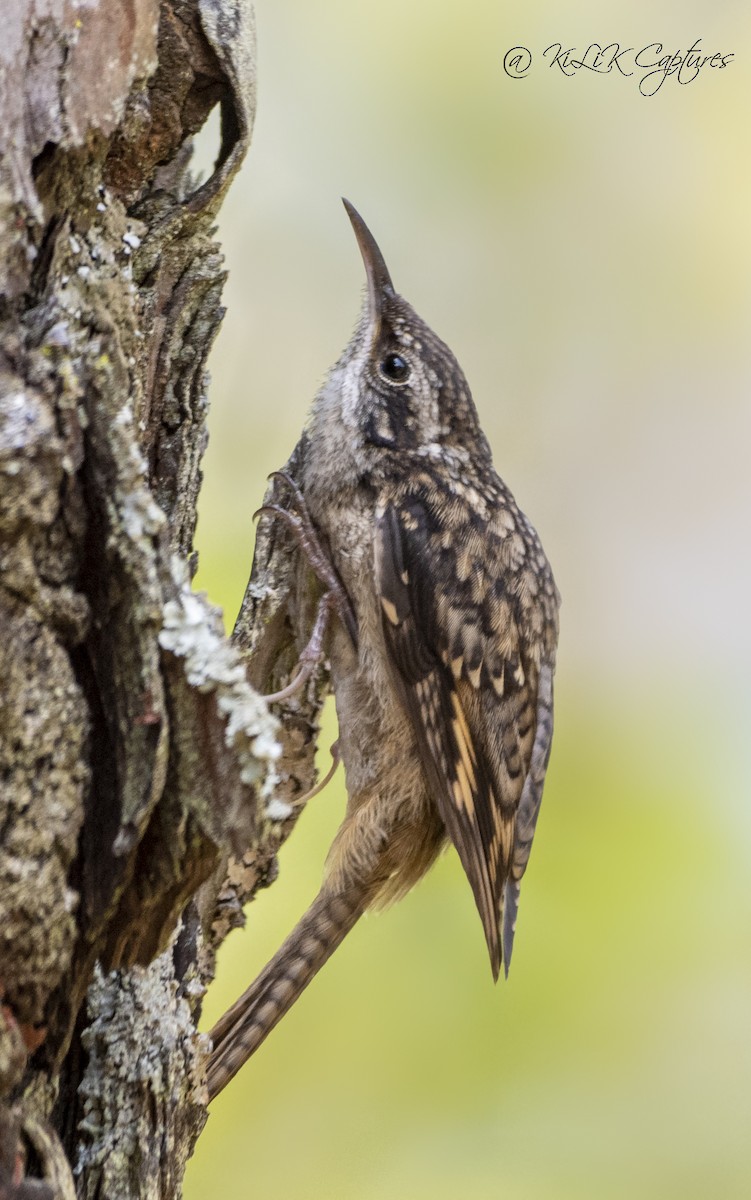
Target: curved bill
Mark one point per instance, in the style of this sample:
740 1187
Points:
379 280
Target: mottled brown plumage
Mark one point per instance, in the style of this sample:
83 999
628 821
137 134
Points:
444 690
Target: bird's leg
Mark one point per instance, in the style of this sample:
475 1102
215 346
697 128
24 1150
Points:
299 801
318 557
335 596
311 655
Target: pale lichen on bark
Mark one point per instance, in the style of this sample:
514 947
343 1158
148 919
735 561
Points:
141 1047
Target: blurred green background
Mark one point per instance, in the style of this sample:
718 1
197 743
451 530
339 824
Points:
586 253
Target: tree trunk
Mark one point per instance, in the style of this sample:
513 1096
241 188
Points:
145 787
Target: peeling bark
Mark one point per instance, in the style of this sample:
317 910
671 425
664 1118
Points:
144 786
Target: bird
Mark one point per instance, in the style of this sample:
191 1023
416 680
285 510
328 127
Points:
441 656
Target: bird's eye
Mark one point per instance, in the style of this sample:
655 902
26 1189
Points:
395 368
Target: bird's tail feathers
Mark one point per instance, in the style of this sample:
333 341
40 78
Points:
239 1033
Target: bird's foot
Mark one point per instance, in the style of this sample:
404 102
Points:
299 522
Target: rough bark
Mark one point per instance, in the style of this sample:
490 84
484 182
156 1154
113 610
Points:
144 786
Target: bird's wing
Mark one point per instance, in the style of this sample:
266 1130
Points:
467 640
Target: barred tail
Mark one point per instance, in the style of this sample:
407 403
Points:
239 1033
